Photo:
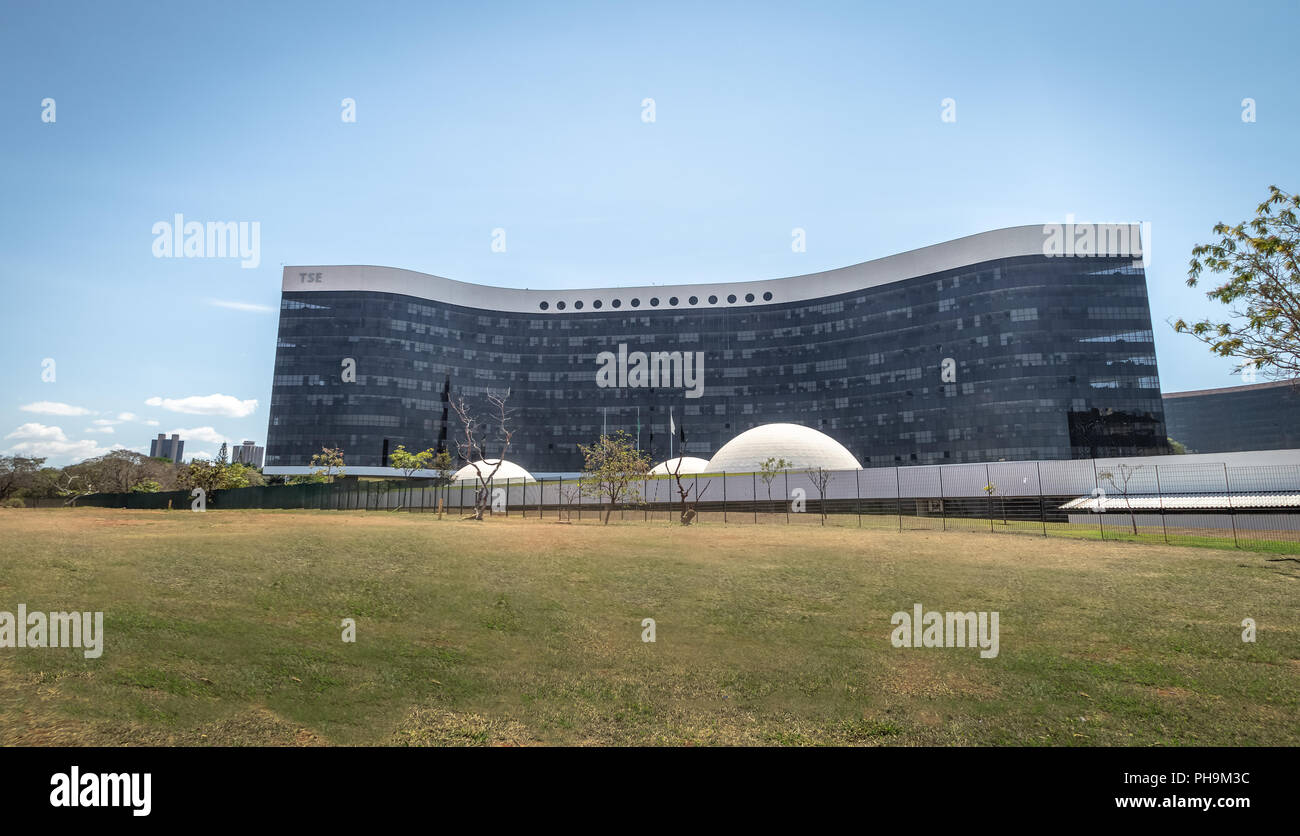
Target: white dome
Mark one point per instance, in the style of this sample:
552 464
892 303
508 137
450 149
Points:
803 446
689 464
507 470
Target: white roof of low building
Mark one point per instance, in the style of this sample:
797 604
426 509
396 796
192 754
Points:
1190 502
803 447
507 470
681 464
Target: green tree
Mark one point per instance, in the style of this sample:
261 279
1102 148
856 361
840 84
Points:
612 470
444 467
211 476
19 473
769 470
328 463
45 485
1178 447
408 462
249 475
1262 284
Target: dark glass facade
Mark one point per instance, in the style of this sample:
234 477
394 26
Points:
1053 359
1263 416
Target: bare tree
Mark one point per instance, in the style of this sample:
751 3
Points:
820 478
688 513
1121 486
992 491
67 487
477 438
569 494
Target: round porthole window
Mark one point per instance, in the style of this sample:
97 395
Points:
636 303
749 297
559 306
596 304
694 300
654 301
731 300
544 305
577 305
713 300
618 303
767 297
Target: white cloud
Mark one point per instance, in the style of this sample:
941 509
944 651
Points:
38 431
151 423
127 416
206 434
99 429
218 404
38 440
54 408
64 452
238 306
104 422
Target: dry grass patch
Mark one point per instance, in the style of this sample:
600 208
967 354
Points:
224 628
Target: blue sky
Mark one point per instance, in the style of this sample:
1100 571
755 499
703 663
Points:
527 117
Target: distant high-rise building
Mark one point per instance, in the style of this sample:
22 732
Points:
247 453
163 447
1258 416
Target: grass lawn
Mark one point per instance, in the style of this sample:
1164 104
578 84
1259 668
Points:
224 628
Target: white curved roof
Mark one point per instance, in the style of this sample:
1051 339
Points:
802 446
950 255
689 464
508 470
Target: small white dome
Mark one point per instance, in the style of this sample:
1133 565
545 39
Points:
507 470
803 447
689 464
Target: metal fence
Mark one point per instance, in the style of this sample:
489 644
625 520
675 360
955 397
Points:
1250 507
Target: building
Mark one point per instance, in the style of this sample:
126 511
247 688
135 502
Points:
163 447
1260 416
1001 345
247 453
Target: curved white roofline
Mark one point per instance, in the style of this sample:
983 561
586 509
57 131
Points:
689 465
973 249
803 447
506 470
